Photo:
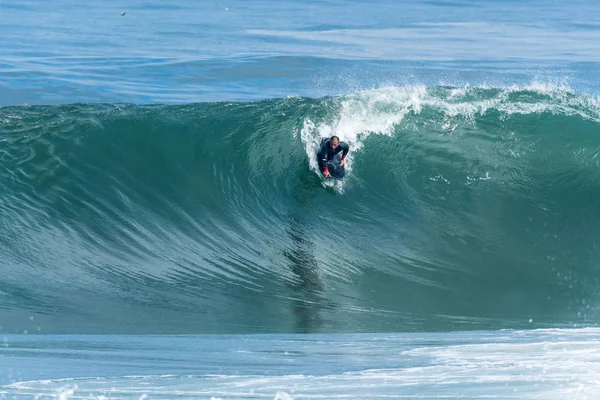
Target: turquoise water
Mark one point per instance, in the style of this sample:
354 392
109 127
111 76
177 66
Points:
462 209
157 177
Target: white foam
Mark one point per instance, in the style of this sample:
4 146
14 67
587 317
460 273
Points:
360 115
66 393
552 364
380 111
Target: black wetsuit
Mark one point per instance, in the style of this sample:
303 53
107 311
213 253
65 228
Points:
326 153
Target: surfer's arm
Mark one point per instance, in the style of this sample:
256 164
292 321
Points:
322 156
345 149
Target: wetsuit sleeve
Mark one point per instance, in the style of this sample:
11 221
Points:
322 158
345 149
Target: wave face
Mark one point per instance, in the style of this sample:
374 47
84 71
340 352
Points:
463 208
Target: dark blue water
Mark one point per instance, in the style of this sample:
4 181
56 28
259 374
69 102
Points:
157 176
188 51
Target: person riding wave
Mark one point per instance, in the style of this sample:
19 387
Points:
329 149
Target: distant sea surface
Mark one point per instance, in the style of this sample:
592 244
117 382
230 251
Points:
199 51
158 177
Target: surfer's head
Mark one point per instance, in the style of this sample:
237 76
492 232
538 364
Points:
334 141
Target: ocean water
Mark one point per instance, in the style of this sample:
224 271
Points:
165 232
542 364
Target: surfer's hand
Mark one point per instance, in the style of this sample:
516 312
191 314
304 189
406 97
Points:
326 174
343 163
